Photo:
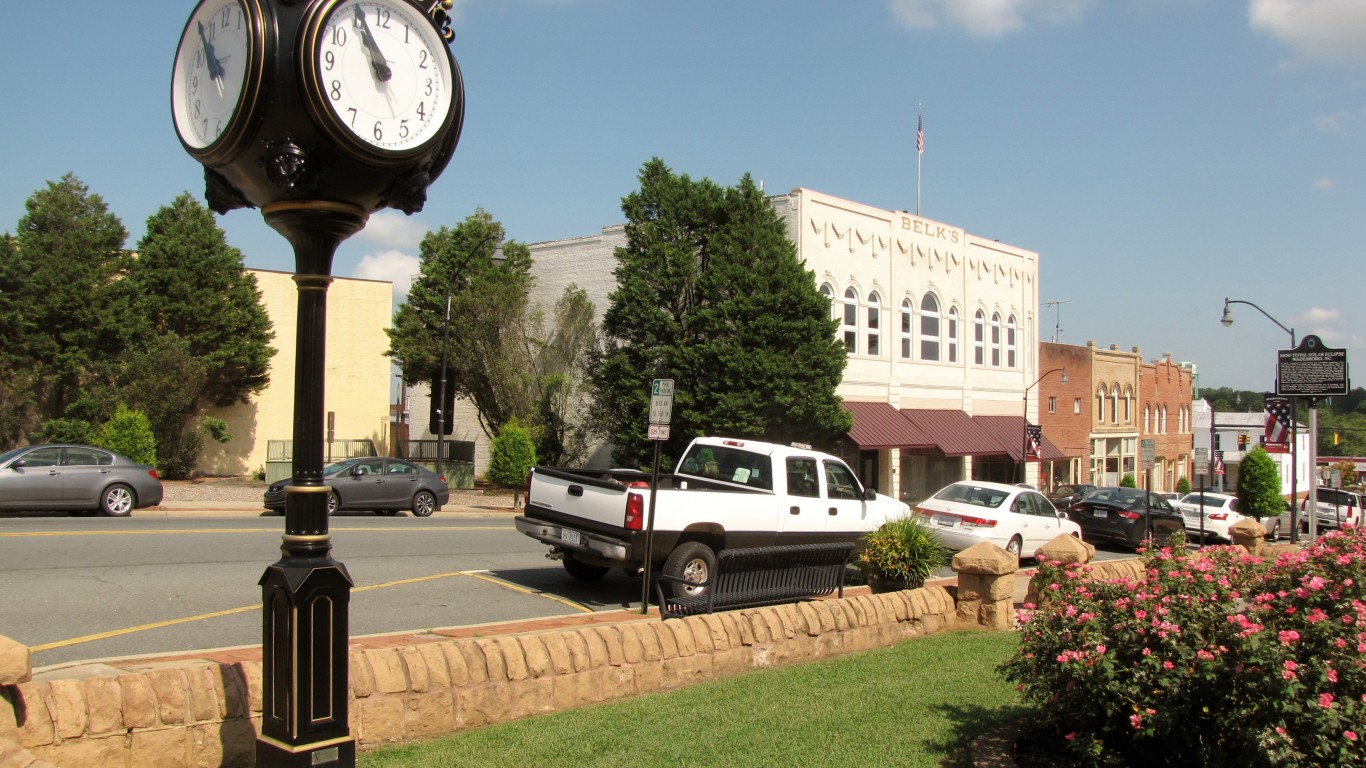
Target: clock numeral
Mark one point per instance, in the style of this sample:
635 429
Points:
379 131
422 110
353 112
429 86
330 59
338 35
422 59
406 30
382 17
402 128
335 90
227 16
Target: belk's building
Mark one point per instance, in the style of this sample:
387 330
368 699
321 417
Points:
940 325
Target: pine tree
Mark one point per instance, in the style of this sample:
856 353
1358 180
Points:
711 294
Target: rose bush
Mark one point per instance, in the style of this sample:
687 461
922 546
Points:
1211 658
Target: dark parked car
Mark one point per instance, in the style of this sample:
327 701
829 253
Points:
1065 496
375 483
80 479
1123 515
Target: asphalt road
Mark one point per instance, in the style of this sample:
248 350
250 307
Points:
81 589
91 588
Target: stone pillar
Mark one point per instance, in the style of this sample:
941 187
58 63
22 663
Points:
1064 550
15 662
986 585
1250 535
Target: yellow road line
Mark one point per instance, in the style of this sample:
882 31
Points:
171 531
482 576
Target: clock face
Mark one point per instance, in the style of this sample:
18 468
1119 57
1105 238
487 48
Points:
384 74
213 64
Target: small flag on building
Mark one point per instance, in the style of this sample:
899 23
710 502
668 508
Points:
920 132
1218 462
1034 442
1278 421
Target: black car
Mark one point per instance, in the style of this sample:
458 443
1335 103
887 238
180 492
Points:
1129 516
1065 496
376 483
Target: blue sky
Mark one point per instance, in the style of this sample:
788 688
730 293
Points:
1160 155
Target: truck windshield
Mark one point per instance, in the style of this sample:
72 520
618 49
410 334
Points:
730 465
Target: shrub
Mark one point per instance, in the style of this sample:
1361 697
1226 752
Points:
76 431
1218 659
129 432
901 549
1183 486
511 457
1259 485
1128 481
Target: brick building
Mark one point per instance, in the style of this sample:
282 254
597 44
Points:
1111 403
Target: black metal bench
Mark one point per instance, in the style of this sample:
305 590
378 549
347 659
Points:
758 576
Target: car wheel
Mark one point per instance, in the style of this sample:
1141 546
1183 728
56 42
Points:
424 503
693 562
1275 532
1014 546
117 500
333 503
582 571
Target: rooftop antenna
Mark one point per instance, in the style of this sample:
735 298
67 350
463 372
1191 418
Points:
1057 323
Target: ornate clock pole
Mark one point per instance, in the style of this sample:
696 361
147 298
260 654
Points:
319 112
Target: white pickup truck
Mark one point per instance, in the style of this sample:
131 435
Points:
1336 508
725 493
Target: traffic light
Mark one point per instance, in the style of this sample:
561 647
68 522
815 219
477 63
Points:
1337 437
1242 441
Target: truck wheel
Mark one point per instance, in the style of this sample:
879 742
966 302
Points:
583 571
691 561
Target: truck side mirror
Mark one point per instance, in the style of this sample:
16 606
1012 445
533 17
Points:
870 494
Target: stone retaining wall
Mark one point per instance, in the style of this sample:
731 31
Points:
208 715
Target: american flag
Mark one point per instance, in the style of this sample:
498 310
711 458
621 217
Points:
1034 441
920 133
1278 419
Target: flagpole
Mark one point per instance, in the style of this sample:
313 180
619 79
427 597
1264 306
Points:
919 151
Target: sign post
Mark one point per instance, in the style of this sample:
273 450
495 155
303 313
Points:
1311 371
661 413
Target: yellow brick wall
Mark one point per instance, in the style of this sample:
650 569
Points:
358 374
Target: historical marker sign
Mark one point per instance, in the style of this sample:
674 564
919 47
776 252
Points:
1311 370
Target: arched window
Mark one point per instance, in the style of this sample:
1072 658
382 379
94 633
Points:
1128 405
1011 342
1146 414
1114 403
828 291
849 326
952 336
995 339
1100 403
979 333
929 328
907 310
874 324
1164 419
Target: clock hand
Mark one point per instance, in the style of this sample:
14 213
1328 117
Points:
377 60
215 66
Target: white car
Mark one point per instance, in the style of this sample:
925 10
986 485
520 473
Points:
1018 520
1222 511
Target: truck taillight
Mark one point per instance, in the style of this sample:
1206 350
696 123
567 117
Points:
1218 516
526 492
635 512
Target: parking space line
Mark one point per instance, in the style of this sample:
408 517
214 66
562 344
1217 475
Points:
170 531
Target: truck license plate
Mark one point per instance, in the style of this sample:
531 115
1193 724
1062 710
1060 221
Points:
571 537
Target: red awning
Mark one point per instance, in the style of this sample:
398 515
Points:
879 425
1009 432
953 432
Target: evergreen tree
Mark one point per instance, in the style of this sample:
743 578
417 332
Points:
18 406
187 281
66 259
1259 485
711 294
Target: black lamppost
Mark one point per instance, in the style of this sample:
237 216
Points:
1227 320
443 419
1024 443
319 112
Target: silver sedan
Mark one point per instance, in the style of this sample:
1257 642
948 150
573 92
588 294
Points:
81 479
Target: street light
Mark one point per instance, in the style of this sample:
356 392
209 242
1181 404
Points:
1227 321
442 416
1024 443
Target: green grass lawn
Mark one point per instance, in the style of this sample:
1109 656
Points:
916 704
